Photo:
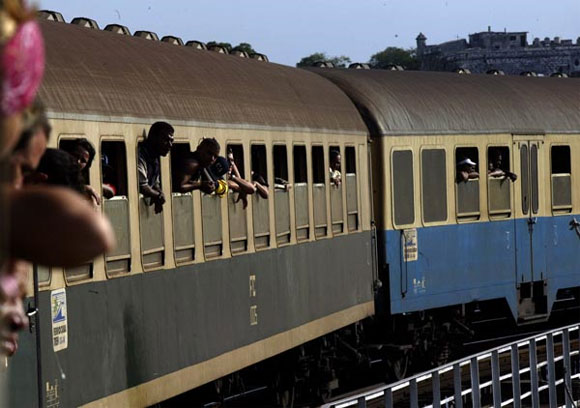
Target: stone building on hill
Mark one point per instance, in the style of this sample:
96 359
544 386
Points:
501 51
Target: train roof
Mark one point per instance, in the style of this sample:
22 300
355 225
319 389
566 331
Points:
412 102
108 76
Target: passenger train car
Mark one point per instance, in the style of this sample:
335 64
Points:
204 288
400 248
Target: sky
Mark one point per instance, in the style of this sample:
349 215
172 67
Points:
287 30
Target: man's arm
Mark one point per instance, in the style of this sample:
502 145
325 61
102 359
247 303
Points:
55 226
186 184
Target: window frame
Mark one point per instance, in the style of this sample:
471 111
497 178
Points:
475 216
501 216
561 210
392 192
128 196
445 181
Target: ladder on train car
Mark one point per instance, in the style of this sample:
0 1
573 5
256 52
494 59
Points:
542 370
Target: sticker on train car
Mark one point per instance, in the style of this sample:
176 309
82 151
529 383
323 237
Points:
410 245
59 319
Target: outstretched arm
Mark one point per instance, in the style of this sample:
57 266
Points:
55 226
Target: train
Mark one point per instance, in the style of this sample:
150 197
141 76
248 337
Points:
396 261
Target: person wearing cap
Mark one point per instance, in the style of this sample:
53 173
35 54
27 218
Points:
189 174
466 170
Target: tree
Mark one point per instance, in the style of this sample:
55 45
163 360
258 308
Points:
338 61
395 56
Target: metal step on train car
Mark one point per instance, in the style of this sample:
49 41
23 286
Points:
206 288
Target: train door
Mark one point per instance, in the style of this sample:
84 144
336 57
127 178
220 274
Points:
529 227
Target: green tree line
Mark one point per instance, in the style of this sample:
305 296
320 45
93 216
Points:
406 58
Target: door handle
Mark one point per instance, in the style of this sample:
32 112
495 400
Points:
575 225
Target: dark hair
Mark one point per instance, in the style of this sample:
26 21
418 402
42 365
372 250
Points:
334 155
33 119
61 170
84 144
159 128
210 143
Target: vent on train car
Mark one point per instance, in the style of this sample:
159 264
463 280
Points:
171 39
118 29
218 48
528 74
148 35
359 65
495 72
259 57
85 22
50 15
323 64
240 53
462 71
196 44
559 75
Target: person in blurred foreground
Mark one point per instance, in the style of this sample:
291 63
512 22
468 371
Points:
48 225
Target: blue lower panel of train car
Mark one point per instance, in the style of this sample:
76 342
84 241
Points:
127 331
457 264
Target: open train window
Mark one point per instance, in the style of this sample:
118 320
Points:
499 181
237 151
467 183
116 204
561 173
351 183
236 211
182 205
403 188
83 153
433 185
260 206
319 192
336 186
301 193
281 196
151 230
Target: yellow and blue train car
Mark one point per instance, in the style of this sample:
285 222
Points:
445 242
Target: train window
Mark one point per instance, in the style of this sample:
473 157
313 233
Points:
403 199
116 204
319 192
534 177
561 179
351 188
335 172
44 275
236 212
151 232
467 184
281 196
84 153
433 185
498 181
301 193
182 205
260 207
